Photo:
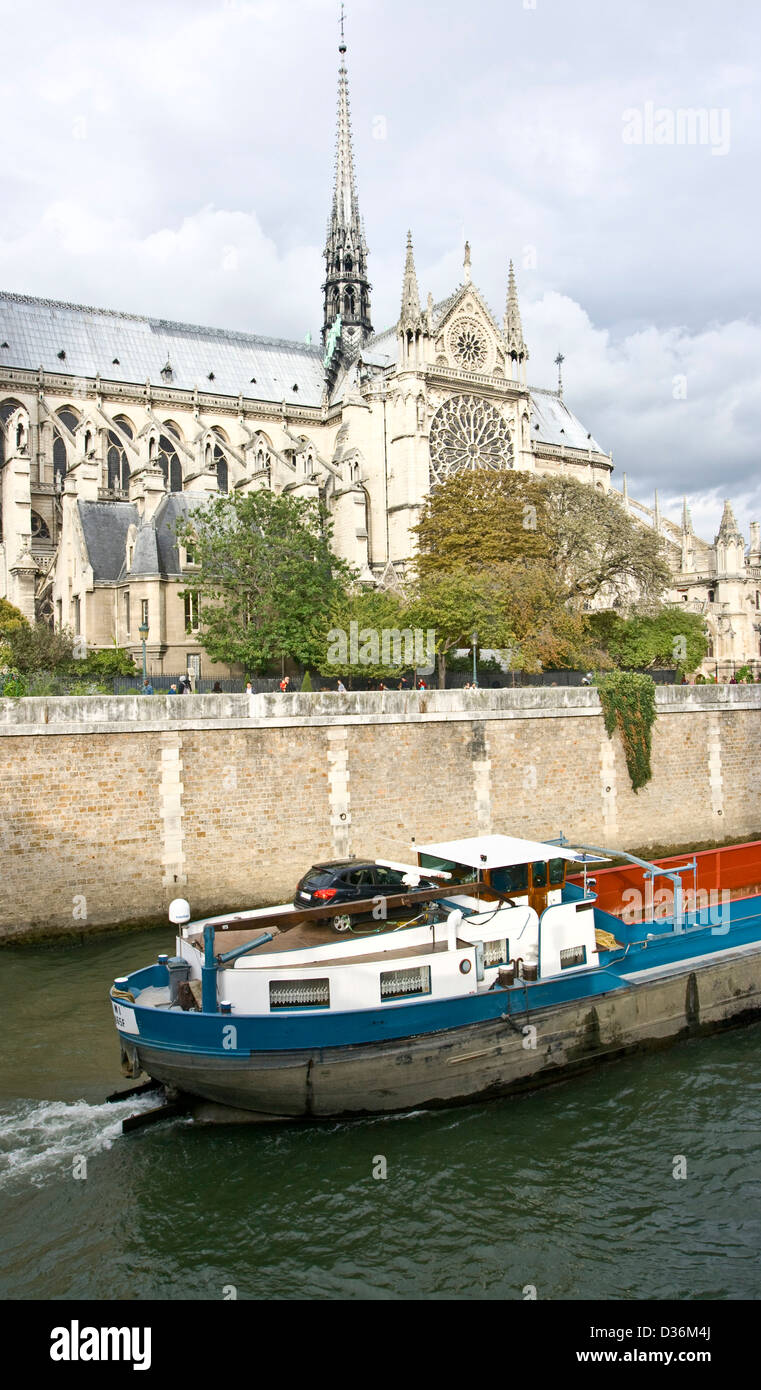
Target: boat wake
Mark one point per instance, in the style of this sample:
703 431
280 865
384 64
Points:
38 1138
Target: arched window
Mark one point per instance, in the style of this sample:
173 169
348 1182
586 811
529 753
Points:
222 470
169 464
6 410
70 419
349 303
348 264
220 461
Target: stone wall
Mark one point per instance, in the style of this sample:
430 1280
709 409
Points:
112 806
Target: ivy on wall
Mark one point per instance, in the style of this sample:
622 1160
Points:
628 704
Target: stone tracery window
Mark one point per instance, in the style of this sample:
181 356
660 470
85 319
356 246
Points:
468 433
116 456
70 418
468 344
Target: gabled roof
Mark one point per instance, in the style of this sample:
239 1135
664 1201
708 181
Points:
557 424
132 348
105 526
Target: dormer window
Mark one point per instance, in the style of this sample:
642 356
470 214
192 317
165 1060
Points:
167 372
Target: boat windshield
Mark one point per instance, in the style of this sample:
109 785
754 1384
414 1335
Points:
511 880
461 873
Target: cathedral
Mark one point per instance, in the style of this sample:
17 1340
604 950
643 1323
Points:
114 426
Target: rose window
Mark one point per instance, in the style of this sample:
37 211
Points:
468 344
468 433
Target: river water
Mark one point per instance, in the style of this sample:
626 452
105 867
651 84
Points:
569 1192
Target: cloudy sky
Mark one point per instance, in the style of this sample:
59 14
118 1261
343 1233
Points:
175 158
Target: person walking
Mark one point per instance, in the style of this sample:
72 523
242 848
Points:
147 687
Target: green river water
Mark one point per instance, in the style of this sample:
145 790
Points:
570 1190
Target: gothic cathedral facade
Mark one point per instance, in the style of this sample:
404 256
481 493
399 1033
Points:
113 426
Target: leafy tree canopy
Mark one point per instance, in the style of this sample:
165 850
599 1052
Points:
366 635
668 638
39 648
265 576
585 538
11 619
457 604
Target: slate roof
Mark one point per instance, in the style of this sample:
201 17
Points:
557 424
132 348
105 526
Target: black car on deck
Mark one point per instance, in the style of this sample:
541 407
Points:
350 880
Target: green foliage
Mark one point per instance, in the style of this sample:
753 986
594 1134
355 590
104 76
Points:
105 665
11 619
628 704
39 648
266 577
582 540
667 638
550 631
373 611
306 683
745 676
457 604
476 520
14 685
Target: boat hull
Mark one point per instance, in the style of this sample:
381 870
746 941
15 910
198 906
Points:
496 1056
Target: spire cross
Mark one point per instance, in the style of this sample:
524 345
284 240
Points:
559 360
342 45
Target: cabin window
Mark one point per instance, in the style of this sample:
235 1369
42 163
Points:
557 873
400 984
573 955
299 994
539 874
461 873
511 880
495 953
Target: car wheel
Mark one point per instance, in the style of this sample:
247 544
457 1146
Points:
341 923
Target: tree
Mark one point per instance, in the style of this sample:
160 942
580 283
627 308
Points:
667 638
265 576
11 619
550 632
454 606
29 649
475 520
368 636
586 539
596 547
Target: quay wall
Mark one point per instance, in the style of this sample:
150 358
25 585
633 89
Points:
112 806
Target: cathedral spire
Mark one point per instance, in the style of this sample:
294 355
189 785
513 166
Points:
410 315
346 289
516 347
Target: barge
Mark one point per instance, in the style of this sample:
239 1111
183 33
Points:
514 971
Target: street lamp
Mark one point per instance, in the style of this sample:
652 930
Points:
143 630
475 675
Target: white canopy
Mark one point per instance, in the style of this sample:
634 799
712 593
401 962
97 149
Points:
496 851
